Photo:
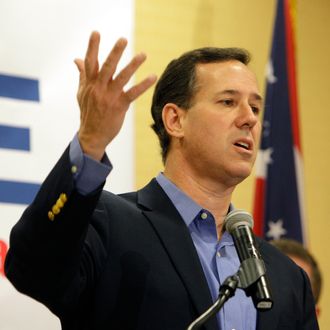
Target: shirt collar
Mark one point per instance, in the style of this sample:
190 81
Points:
187 208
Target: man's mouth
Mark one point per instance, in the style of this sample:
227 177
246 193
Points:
243 145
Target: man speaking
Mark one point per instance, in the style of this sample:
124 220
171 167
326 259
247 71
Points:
154 259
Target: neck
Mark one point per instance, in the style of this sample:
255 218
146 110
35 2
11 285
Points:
208 193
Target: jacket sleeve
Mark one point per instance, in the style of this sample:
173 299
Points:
48 258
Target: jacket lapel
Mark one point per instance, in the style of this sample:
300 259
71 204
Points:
177 241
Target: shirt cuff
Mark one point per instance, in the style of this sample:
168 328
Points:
88 173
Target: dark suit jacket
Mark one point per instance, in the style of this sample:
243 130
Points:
128 262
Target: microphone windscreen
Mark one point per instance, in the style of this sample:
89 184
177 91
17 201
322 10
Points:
238 218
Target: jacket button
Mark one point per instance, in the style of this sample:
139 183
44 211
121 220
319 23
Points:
63 197
51 216
56 209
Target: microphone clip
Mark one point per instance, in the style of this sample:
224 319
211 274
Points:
249 272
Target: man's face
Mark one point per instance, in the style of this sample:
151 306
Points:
222 127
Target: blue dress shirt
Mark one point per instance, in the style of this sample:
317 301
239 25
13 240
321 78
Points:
218 258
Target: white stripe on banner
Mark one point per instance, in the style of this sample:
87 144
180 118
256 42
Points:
39 113
299 167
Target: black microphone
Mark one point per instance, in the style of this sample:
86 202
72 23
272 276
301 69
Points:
239 224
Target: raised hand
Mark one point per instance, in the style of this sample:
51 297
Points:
101 96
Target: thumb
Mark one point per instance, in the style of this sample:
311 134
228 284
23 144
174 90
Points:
81 68
80 64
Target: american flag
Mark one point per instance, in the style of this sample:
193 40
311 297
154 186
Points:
278 204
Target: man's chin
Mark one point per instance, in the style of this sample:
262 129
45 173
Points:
239 175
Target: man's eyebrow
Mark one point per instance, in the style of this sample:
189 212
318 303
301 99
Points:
256 96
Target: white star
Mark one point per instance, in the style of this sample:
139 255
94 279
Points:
264 157
266 128
270 72
276 229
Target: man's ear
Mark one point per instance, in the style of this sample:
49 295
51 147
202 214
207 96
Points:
172 118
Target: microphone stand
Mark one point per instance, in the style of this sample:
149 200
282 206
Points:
248 273
227 290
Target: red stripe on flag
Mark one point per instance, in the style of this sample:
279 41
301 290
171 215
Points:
258 207
291 69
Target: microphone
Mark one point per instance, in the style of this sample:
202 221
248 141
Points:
239 224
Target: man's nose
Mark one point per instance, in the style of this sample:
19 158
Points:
246 116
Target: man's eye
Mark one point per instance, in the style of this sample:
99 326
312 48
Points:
227 102
255 110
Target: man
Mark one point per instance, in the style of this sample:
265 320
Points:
304 259
154 259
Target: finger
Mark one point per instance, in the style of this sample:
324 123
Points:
80 65
135 91
109 67
91 58
82 76
125 75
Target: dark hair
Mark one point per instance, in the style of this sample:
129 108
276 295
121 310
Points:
177 84
293 248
